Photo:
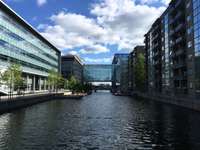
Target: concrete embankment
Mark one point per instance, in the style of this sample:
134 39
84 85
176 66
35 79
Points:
24 101
187 102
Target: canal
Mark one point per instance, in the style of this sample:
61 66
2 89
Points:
100 121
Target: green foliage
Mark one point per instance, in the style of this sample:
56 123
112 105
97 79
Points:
66 83
77 87
55 80
72 84
13 77
140 72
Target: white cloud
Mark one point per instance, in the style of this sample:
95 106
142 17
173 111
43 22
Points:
94 49
126 19
41 2
73 31
73 52
119 22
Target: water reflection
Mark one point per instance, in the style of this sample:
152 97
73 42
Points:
100 121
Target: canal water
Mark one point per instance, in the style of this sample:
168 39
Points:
100 121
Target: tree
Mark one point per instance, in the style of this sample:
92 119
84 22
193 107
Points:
140 72
55 80
72 83
60 81
13 77
66 83
51 80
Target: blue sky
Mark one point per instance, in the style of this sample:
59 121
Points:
92 29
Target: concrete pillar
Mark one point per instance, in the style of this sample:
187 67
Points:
27 83
45 84
33 83
40 84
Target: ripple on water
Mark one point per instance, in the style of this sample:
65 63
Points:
100 121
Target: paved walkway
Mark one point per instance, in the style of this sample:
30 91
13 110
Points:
39 93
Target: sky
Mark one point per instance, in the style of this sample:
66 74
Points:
92 29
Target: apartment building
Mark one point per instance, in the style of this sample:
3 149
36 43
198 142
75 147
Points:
173 48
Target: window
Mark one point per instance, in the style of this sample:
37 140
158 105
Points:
189 18
188 5
189 44
189 30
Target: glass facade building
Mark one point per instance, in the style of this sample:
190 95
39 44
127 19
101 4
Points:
98 73
22 44
120 77
72 65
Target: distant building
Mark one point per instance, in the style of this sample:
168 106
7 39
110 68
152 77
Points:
72 65
120 73
173 50
132 59
20 43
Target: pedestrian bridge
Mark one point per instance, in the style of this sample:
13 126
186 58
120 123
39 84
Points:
98 73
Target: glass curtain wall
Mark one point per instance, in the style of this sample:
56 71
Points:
196 13
19 45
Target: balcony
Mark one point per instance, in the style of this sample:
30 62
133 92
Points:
180 26
171 32
178 15
155 46
179 65
180 77
179 40
155 28
155 37
178 52
177 3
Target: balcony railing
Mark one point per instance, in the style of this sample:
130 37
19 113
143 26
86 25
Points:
179 39
180 26
178 52
155 37
177 3
179 65
179 14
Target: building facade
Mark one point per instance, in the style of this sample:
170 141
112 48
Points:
132 59
72 65
98 73
173 49
120 79
22 44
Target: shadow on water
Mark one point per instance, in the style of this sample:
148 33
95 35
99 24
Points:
100 121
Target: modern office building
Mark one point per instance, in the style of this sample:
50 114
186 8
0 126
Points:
20 43
173 50
132 59
120 73
71 65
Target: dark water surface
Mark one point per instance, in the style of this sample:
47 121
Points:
100 121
